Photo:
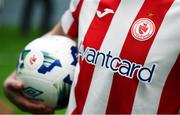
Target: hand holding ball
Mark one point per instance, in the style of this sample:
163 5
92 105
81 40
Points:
46 67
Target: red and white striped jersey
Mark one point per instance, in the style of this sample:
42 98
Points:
129 56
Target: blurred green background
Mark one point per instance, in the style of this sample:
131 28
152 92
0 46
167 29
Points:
13 38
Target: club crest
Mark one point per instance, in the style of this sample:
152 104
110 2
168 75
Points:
143 29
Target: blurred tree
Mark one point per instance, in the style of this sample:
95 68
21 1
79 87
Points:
28 12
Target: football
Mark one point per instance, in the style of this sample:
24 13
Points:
46 67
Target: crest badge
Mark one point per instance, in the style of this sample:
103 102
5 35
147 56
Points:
143 29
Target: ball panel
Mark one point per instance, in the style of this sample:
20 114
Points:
39 90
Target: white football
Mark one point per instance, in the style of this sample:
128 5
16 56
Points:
46 67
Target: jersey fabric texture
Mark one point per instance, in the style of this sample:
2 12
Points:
129 56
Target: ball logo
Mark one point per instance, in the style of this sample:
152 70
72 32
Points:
143 29
32 92
33 60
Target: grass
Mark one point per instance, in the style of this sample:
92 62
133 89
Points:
11 44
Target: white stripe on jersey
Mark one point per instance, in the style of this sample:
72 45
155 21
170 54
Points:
73 5
148 95
67 19
84 25
66 24
100 87
72 104
88 11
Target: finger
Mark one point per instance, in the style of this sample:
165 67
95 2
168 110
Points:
14 84
31 106
38 107
26 104
17 84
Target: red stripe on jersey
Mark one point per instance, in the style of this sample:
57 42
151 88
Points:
93 38
73 30
123 89
170 97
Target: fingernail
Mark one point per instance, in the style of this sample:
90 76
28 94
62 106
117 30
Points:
17 85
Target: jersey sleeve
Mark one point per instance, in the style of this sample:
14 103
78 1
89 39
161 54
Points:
69 20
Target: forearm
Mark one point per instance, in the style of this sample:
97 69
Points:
57 30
